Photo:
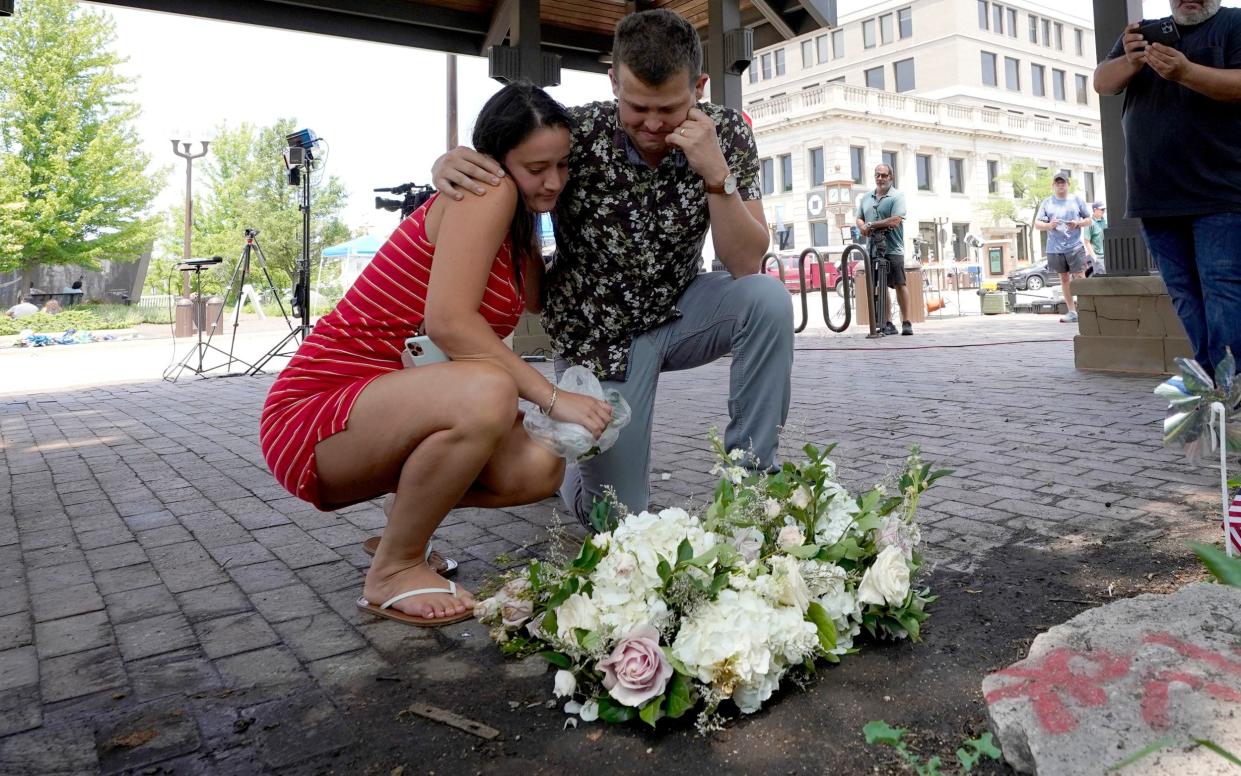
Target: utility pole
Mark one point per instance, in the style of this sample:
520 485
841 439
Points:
184 153
452 101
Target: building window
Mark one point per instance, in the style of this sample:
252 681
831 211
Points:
993 176
807 53
857 162
890 159
779 61
1059 36
1080 37
924 172
868 33
988 69
874 78
1046 25
1081 89
816 166
1037 81
1033 28
753 71
997 18
1012 74
1088 185
838 44
1012 22
1057 84
819 234
840 79
903 75
786 172
768 175
956 176
885 28
905 23
820 45
765 61
983 20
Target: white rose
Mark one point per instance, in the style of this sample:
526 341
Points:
887 581
485 611
801 497
790 536
565 684
771 508
577 611
788 587
749 542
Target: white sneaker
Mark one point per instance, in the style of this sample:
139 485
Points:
1070 317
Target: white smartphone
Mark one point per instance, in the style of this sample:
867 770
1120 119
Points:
420 351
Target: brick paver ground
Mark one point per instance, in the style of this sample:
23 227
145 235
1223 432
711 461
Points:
154 578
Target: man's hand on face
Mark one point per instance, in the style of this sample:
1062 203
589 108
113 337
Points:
464 169
697 140
1135 45
1167 62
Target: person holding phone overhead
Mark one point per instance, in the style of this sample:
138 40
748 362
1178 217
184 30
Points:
1182 118
344 422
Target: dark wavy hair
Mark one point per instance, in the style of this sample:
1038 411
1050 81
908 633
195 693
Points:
505 121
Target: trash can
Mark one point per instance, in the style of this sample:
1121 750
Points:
215 305
183 319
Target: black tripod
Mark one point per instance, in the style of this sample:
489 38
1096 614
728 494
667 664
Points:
199 306
237 288
287 346
877 281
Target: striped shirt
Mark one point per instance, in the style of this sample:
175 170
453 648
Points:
360 340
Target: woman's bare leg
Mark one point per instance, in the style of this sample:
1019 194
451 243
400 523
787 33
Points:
426 434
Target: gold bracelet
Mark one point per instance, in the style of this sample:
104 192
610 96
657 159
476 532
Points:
551 404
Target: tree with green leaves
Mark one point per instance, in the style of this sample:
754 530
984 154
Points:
245 185
1031 185
74 186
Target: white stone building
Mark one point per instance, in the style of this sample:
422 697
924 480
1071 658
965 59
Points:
949 93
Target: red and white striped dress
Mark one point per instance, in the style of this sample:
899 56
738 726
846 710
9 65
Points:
361 340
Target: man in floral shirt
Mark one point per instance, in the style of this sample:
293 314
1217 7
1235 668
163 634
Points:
649 172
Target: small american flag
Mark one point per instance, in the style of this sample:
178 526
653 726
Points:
1232 524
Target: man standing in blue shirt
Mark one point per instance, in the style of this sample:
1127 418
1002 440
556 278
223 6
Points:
881 216
1062 216
1182 119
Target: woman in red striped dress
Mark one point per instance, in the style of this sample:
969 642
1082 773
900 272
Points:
344 422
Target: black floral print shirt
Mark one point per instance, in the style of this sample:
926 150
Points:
629 236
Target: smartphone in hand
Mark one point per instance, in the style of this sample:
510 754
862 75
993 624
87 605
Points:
1160 31
420 351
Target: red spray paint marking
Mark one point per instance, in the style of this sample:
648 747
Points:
1045 683
1155 690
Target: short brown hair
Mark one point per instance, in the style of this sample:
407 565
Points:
656 45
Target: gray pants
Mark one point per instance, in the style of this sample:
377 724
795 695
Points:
751 318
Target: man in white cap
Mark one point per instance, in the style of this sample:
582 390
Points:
1062 216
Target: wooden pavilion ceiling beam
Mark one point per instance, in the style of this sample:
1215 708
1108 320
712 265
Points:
501 23
773 18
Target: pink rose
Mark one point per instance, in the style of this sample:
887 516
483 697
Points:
637 670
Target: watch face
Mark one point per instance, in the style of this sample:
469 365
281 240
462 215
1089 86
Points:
730 184
833 195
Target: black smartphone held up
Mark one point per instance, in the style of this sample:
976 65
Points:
1160 31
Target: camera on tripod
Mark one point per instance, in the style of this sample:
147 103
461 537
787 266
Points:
252 233
414 196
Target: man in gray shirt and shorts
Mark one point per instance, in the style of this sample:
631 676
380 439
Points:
1062 216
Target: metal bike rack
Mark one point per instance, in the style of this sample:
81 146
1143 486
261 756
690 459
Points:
845 282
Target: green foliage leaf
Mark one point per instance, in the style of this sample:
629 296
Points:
549 624
977 748
804 552
611 711
879 732
652 711
685 551
1227 570
557 659
1219 750
664 569
816 614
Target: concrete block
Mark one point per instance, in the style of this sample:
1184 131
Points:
1140 355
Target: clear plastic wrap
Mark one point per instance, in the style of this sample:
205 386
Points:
570 440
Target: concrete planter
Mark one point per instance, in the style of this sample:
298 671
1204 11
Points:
1127 324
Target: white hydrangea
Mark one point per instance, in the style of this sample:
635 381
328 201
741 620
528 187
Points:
835 519
741 641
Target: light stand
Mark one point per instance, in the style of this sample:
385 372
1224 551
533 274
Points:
200 348
300 160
